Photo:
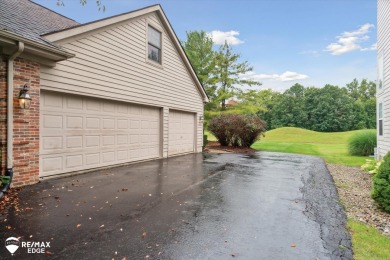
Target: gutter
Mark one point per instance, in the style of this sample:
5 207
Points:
10 116
10 38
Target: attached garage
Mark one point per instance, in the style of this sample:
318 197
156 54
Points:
81 133
105 93
181 132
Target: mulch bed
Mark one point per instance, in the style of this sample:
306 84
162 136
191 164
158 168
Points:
354 188
215 147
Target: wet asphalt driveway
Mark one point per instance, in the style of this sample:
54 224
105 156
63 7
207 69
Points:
263 206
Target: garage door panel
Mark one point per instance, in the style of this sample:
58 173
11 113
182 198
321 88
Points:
84 133
181 132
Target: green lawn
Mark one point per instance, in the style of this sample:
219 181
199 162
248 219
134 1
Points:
368 243
210 136
330 146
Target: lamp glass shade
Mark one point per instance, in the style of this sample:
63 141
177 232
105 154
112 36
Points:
25 100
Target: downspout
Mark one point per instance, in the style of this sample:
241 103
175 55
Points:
10 115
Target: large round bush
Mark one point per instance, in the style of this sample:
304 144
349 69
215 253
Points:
236 130
362 143
381 184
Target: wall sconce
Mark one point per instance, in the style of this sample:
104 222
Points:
201 118
24 98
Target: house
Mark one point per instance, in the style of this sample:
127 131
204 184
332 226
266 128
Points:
231 103
383 83
104 93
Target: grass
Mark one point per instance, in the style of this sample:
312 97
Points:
210 136
330 146
368 243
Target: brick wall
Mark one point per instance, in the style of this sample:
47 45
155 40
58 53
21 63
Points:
3 113
26 123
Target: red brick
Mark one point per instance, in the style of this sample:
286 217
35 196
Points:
26 122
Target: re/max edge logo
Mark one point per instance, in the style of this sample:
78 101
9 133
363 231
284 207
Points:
12 244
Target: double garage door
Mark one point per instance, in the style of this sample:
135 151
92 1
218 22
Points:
79 133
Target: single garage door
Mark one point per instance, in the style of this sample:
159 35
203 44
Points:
79 133
181 132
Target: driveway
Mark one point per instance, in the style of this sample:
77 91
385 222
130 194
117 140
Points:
262 206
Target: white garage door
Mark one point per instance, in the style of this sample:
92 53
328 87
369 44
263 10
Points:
181 132
78 133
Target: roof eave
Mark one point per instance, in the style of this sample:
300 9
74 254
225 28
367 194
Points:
36 48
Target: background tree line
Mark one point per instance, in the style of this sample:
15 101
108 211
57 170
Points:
327 109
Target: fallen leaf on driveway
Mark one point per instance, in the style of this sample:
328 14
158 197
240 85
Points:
78 225
102 226
48 253
233 255
144 234
293 245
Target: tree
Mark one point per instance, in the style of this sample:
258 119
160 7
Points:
199 50
363 94
269 100
291 111
228 73
363 90
330 109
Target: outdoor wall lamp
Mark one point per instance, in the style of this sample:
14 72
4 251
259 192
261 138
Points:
201 118
24 98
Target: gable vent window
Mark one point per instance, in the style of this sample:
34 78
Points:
154 44
380 119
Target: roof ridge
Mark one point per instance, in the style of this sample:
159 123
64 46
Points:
53 11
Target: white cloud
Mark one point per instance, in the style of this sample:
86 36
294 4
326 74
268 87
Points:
349 41
286 76
371 48
230 37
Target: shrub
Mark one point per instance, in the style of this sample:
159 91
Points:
236 130
218 127
362 143
371 166
381 184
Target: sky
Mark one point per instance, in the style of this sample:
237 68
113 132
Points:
311 42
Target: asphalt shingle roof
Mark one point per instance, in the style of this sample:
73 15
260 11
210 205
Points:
31 20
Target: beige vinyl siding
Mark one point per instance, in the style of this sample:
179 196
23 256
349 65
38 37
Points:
113 64
384 94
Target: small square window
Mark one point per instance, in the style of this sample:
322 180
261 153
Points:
154 44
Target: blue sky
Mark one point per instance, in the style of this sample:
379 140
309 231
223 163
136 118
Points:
312 42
